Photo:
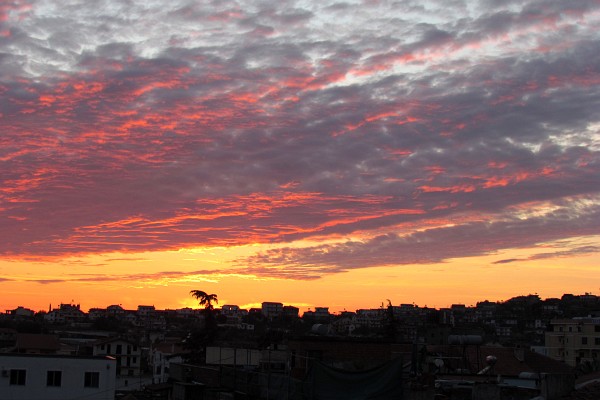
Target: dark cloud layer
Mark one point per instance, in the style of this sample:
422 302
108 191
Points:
438 244
412 132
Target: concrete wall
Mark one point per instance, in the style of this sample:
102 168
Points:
72 377
232 356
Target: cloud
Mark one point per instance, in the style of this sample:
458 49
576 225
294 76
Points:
435 245
154 278
144 127
576 251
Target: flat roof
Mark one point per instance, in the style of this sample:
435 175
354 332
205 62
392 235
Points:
23 355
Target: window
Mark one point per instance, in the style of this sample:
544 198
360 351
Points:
91 380
597 341
17 377
583 340
596 328
53 378
119 349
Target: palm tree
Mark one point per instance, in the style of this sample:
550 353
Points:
205 299
205 333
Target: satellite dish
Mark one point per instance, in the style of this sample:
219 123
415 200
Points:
438 362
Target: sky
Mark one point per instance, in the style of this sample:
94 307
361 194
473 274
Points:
316 153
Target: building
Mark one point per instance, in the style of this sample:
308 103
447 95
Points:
574 341
272 309
51 377
65 313
96 313
322 314
145 311
115 311
230 310
128 355
503 330
8 339
344 326
21 312
186 312
232 313
370 318
163 354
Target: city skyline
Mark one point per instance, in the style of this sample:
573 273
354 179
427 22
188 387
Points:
247 307
333 154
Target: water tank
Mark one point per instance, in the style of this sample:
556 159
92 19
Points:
320 329
529 375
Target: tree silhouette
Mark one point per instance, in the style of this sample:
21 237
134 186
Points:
202 336
205 299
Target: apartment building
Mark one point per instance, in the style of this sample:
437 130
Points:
574 341
53 377
272 309
128 355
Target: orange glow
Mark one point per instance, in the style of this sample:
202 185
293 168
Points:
99 281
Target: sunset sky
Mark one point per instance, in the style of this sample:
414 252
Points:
317 153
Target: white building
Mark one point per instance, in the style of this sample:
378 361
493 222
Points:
163 354
65 313
128 355
51 377
21 312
